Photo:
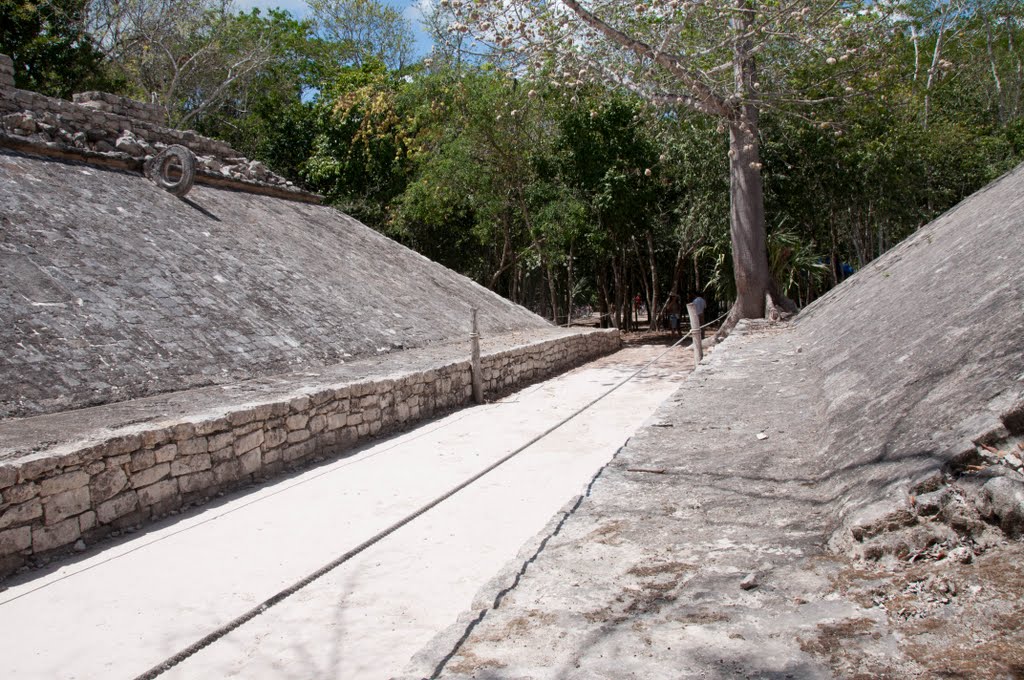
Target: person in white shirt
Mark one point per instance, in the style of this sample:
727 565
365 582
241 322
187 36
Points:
700 304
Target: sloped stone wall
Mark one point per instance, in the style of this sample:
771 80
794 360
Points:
51 499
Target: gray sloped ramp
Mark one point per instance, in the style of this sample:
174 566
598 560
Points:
112 289
922 352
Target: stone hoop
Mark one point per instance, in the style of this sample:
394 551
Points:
158 168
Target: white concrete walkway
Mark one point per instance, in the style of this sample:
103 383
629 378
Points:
120 611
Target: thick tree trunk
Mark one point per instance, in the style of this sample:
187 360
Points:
568 286
756 292
652 294
757 295
673 285
746 217
617 267
552 289
506 255
604 301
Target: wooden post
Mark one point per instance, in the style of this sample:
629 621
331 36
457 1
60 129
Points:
478 383
696 332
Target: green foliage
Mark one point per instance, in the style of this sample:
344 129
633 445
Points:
268 119
52 52
360 152
557 191
363 31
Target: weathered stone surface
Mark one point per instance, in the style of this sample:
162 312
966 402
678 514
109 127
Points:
272 455
118 506
296 422
153 438
183 431
869 392
35 468
15 540
21 513
8 476
228 472
166 453
21 493
193 446
87 520
155 493
142 460
123 444
1006 499
299 405
297 436
116 462
275 437
63 505
318 319
220 441
221 455
151 475
248 442
198 481
189 464
297 451
212 426
56 536
252 461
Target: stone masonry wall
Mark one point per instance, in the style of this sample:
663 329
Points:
99 126
112 103
51 499
6 72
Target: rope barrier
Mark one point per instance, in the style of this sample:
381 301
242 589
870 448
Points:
711 323
601 316
227 628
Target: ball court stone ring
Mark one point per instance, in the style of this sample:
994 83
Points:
177 157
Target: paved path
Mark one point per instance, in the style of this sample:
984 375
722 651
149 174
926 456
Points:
121 610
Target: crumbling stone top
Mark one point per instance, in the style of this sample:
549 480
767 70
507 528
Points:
114 131
112 103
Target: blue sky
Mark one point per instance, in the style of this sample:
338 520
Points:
410 8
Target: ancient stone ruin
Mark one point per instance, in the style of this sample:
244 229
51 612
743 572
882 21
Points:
841 496
160 349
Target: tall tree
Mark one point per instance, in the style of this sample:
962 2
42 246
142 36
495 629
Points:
189 56
272 117
364 30
53 52
726 59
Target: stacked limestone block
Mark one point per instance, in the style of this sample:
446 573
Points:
112 103
6 72
104 127
51 499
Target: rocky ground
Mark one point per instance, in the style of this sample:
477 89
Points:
702 550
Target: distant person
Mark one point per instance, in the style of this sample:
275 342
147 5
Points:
673 310
701 305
